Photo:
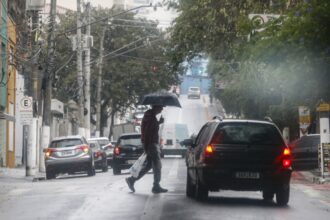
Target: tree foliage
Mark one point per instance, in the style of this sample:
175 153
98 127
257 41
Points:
133 61
268 70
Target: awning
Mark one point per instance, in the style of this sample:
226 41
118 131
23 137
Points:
7 117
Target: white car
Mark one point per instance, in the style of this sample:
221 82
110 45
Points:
194 92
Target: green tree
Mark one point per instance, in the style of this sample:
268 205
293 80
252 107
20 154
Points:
130 70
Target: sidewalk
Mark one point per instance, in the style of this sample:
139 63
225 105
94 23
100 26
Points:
18 175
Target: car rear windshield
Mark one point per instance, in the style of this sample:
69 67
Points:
131 140
103 142
65 143
247 133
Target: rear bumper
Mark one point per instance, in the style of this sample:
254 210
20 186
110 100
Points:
123 162
69 164
216 179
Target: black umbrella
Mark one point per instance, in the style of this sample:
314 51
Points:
161 98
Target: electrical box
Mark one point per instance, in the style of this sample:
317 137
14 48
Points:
35 5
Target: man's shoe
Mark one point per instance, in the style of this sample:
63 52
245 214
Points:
130 183
158 189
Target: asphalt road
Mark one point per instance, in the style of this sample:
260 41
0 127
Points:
106 196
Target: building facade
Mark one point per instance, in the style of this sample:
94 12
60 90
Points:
3 82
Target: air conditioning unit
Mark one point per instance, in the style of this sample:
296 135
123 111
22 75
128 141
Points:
57 107
35 5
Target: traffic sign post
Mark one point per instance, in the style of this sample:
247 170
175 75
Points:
26 110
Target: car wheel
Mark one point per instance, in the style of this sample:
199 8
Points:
116 171
267 195
50 175
283 194
201 191
105 167
190 187
91 171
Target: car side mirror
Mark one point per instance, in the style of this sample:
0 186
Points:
92 145
187 142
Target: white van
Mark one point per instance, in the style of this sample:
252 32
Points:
170 137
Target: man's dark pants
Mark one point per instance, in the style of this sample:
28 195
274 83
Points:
153 161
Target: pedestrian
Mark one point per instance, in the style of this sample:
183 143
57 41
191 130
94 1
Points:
150 141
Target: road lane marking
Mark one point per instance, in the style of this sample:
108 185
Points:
174 169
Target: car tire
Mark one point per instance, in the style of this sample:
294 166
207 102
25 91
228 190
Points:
201 191
91 171
105 167
50 175
190 187
283 194
267 195
116 171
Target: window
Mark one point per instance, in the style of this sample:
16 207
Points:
65 143
247 133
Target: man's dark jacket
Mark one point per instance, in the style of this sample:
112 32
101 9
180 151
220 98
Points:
149 129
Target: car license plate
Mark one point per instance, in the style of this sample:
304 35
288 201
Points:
130 161
247 175
67 153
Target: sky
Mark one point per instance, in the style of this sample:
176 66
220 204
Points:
161 14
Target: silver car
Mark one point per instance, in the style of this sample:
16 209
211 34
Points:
68 154
194 92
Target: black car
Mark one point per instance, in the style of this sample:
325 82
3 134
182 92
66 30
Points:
127 150
305 152
238 155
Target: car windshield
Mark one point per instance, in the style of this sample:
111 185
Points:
65 143
103 142
130 140
247 133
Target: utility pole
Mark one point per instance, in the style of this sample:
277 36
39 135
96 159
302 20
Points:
80 77
31 158
88 71
47 85
99 85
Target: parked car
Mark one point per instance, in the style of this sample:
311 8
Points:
68 154
194 92
240 155
305 152
100 156
170 137
106 146
137 118
127 150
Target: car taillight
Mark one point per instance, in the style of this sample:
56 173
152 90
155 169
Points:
97 154
209 149
286 161
48 152
117 150
84 148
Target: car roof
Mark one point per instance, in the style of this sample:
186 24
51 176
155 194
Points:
245 121
98 138
68 137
